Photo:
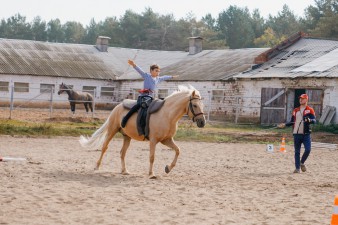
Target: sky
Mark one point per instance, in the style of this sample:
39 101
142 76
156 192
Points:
84 10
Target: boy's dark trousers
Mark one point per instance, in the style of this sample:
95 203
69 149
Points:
133 110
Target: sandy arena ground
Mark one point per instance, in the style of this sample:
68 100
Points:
212 183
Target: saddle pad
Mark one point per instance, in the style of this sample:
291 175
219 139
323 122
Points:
128 103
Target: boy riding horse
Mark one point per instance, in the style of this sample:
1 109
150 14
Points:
149 86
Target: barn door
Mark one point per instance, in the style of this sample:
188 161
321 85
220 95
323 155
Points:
316 101
272 105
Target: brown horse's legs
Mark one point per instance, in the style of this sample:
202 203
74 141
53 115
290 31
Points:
91 106
171 144
151 159
110 135
126 143
86 106
72 107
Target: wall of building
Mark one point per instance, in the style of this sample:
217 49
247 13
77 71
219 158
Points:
35 92
221 107
252 90
233 101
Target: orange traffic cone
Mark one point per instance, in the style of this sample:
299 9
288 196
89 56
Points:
334 220
282 145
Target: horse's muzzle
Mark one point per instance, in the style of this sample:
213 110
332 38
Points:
200 122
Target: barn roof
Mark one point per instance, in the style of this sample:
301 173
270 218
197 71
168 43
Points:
206 65
215 64
308 57
26 57
117 58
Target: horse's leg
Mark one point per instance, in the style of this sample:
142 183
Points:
91 106
109 136
86 106
72 108
171 144
126 143
152 159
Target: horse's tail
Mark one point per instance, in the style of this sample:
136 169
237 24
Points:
97 139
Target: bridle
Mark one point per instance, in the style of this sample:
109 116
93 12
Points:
192 109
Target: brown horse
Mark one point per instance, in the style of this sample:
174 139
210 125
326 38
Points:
162 126
77 97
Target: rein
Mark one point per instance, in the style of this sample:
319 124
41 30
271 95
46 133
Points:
192 110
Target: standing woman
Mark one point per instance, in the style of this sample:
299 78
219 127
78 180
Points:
302 117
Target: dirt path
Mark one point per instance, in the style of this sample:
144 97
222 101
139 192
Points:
211 184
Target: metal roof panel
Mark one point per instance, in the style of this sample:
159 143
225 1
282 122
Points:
288 63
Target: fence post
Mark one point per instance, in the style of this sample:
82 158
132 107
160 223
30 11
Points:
51 102
12 102
237 110
94 97
209 108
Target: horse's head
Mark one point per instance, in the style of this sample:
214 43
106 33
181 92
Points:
63 88
195 109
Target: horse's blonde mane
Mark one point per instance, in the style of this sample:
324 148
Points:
185 90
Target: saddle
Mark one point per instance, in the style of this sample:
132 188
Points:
143 114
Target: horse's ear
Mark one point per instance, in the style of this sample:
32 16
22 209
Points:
193 93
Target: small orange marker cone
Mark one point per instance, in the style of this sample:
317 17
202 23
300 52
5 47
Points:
334 219
282 146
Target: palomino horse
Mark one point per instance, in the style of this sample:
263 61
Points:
162 127
77 97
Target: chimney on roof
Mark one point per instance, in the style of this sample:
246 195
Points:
102 43
195 45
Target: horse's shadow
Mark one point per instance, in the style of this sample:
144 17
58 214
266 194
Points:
96 179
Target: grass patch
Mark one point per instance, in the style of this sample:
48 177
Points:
14 127
332 128
187 131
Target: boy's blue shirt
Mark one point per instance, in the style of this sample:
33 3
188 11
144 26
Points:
149 81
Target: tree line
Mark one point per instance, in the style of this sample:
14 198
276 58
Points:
235 27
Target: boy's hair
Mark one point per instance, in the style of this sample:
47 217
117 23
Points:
154 66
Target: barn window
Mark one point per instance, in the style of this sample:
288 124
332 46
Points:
162 93
133 94
47 88
4 86
218 95
69 87
89 89
107 91
21 87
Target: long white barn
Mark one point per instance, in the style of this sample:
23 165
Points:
255 84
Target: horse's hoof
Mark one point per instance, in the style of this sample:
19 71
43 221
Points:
167 170
152 177
125 173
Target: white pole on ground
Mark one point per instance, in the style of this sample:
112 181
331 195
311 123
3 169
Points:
6 159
